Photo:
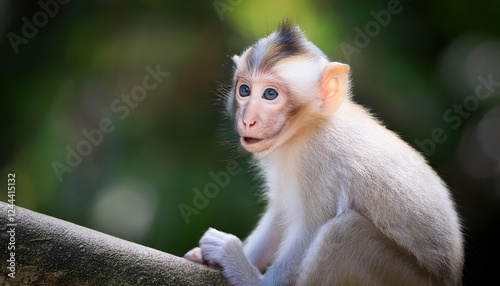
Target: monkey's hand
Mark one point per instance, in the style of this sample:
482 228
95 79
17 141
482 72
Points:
214 245
225 250
218 247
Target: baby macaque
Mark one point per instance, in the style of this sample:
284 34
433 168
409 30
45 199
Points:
348 202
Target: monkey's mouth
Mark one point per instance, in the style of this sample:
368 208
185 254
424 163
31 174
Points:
251 140
254 144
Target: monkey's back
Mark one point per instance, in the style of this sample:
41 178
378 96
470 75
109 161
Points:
372 171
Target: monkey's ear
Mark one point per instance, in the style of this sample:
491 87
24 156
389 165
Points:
334 87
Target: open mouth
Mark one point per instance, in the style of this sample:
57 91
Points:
251 140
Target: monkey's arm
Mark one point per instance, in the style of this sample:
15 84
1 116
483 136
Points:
242 265
226 250
261 246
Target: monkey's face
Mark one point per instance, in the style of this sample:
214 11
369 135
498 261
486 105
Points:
273 106
262 110
282 86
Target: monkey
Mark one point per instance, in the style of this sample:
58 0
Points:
348 201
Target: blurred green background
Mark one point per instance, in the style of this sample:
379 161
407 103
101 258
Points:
64 65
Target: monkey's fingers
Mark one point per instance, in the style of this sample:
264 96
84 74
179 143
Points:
195 255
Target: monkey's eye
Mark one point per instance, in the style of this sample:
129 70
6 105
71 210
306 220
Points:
244 90
270 94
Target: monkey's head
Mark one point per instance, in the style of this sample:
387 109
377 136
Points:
283 85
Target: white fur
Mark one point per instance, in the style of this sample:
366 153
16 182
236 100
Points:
343 202
302 75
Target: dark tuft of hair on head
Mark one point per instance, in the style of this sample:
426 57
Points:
289 37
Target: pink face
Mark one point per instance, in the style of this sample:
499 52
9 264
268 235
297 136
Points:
262 111
267 112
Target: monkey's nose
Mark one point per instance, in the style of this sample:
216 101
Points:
249 123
